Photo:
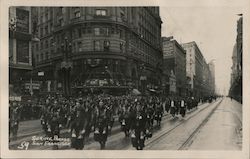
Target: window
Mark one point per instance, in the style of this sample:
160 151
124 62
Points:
79 32
101 12
46 55
77 14
41 45
84 30
46 16
41 31
122 15
61 22
37 58
63 10
41 19
51 26
89 31
46 30
37 47
106 31
79 44
46 44
97 45
41 56
106 44
51 42
97 31
51 13
121 46
112 30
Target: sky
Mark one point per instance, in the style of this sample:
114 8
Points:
212 28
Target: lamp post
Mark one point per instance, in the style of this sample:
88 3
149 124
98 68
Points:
66 66
143 78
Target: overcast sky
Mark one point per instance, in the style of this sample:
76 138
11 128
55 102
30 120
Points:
212 28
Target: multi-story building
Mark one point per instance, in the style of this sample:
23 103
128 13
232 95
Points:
212 80
20 55
174 62
109 47
197 71
236 74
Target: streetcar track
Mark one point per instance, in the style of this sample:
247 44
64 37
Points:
166 133
198 128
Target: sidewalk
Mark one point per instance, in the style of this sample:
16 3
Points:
29 127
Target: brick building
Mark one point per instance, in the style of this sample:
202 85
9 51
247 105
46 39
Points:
174 59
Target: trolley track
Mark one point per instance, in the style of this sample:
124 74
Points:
185 143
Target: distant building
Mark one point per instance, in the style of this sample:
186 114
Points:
212 71
110 47
20 53
236 74
197 70
174 63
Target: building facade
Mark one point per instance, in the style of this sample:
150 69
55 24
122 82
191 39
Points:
236 74
20 53
197 71
212 80
108 47
174 62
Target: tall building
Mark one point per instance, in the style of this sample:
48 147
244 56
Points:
108 47
212 80
236 74
197 71
20 54
174 62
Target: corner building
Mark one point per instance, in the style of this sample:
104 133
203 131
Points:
110 47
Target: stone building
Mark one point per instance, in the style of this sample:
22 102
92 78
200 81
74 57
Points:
106 47
197 71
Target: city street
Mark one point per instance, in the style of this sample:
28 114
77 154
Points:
124 78
222 118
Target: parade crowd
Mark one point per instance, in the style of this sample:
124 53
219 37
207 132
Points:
97 114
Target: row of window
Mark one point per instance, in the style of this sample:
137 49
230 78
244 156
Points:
45 14
98 12
98 31
43 56
46 29
44 44
98 45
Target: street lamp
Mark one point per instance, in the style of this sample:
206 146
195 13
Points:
35 40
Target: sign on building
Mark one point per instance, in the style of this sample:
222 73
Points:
22 20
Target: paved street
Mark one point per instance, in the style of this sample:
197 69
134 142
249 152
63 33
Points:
223 130
214 126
